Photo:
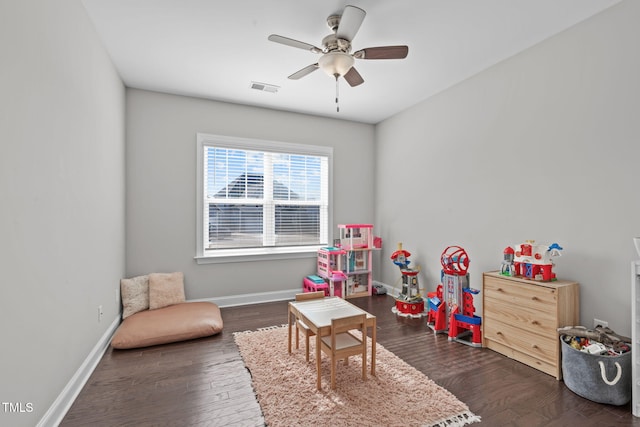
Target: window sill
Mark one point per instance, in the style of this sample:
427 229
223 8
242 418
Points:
262 254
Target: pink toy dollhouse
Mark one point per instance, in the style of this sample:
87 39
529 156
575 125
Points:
346 267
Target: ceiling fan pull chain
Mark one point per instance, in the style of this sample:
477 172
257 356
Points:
337 94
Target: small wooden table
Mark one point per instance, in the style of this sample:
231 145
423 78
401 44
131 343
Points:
317 314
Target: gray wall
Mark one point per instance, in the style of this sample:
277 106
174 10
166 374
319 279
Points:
542 146
62 199
161 186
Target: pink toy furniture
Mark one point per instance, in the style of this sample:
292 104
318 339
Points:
314 283
329 263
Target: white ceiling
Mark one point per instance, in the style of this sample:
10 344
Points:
215 49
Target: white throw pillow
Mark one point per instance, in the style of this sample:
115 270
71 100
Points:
165 289
135 295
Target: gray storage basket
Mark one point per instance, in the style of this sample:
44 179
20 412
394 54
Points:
603 379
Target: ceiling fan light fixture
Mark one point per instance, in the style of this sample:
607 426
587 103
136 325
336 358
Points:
334 63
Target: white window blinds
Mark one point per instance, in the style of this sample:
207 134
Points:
263 198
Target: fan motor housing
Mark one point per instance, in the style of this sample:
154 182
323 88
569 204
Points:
332 43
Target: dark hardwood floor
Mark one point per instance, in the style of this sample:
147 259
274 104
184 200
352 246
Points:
203 382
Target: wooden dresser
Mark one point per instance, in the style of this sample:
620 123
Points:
520 318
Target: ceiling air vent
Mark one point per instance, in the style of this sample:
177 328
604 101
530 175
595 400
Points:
264 87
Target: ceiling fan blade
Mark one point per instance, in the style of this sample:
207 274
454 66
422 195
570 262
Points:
350 22
383 52
353 77
306 70
294 43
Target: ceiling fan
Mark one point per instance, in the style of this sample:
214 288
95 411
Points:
337 59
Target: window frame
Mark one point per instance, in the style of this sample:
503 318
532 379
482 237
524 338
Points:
262 253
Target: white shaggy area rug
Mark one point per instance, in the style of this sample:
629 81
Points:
399 395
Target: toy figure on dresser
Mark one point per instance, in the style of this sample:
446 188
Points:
508 268
409 302
532 261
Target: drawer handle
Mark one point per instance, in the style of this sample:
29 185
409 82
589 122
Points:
535 322
534 346
498 333
534 298
499 290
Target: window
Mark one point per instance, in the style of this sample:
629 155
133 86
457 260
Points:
261 198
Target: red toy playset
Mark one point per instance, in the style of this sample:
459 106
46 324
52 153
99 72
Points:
531 261
409 302
437 316
465 327
451 308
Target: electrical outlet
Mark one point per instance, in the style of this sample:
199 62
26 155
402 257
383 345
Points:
598 322
100 313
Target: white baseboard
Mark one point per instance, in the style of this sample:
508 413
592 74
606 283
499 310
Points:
389 288
255 298
65 399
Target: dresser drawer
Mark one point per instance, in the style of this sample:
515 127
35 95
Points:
535 321
537 346
548 368
535 297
